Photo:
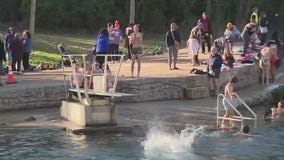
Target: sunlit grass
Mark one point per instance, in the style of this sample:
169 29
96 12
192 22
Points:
45 46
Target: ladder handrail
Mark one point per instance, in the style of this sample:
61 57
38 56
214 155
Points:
251 111
231 105
248 108
222 97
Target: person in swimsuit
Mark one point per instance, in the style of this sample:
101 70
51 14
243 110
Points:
230 98
264 63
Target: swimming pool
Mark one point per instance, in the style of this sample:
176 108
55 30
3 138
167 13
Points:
160 143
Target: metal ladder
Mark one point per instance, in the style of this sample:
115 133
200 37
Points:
221 99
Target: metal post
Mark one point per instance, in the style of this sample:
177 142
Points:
32 17
132 11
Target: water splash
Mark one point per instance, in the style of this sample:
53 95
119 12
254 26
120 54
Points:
160 140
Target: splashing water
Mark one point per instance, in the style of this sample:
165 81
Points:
159 140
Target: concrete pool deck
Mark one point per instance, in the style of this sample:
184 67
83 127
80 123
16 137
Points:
176 113
156 82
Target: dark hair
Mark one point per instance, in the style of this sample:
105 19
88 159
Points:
253 18
103 31
245 129
140 28
267 113
11 29
109 24
28 33
233 80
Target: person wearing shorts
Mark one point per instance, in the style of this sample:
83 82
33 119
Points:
136 53
229 98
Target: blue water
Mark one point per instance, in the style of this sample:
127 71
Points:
159 143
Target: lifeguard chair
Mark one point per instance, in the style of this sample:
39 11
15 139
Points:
92 106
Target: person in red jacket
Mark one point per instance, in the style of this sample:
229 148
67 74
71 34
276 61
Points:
17 48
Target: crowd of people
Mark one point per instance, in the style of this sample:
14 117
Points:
15 50
108 41
221 52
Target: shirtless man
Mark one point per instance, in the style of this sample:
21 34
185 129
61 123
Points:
230 97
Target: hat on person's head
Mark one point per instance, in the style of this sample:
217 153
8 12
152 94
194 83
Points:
116 24
229 25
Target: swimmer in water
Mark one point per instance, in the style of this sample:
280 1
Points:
245 130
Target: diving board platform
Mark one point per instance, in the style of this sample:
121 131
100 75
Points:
104 94
91 93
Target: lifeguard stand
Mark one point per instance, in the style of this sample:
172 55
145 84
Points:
96 106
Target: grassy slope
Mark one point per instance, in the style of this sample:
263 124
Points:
45 46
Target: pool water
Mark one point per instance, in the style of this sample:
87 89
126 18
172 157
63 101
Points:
159 143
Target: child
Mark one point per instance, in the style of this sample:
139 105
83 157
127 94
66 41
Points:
77 77
110 78
2 53
96 70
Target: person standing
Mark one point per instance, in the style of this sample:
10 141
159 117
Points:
214 68
207 30
102 46
17 48
111 45
195 38
231 34
2 53
128 31
229 91
248 31
254 14
173 37
136 40
264 63
27 41
263 24
8 39
116 35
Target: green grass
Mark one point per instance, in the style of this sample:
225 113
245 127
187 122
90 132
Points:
45 46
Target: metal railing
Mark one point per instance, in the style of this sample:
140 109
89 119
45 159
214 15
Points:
222 101
85 88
